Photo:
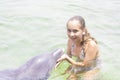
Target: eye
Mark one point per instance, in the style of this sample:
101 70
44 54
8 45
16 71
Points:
68 30
75 31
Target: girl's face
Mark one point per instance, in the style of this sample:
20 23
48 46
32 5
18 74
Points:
74 30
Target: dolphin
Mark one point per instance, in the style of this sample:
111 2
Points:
37 68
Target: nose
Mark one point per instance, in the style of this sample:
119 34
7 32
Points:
71 34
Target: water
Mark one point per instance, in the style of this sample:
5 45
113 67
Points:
30 27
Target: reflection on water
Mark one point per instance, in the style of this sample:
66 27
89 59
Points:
27 25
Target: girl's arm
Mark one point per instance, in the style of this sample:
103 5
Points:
69 48
70 60
90 54
68 56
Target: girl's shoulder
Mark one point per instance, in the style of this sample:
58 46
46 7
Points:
90 43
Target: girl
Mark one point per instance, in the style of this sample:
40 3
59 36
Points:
84 48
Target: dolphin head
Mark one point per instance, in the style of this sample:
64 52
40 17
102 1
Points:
57 54
37 68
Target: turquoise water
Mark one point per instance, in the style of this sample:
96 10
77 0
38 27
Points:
31 27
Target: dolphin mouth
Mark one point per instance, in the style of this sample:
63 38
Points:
57 64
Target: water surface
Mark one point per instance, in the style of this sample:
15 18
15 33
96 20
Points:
31 27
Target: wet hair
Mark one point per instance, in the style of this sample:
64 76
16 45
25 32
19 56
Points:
80 19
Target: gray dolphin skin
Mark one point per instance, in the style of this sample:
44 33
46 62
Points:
37 68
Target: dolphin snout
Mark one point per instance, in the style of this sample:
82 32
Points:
58 53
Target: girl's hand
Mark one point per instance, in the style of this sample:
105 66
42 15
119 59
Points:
63 57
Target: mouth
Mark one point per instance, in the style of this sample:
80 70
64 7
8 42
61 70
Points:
73 38
57 64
